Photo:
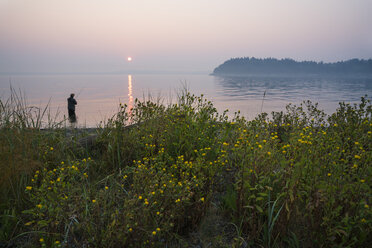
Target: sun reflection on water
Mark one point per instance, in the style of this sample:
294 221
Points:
130 95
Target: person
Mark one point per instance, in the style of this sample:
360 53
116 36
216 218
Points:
71 102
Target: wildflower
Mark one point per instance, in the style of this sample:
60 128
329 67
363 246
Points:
362 180
106 188
28 187
269 153
329 174
335 125
130 229
366 206
202 199
158 229
41 240
39 206
28 223
51 148
154 233
57 242
140 197
355 166
58 179
357 156
94 201
363 220
260 146
158 213
178 200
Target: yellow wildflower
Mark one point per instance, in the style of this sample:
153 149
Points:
94 201
28 187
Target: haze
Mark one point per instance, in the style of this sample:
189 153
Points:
96 36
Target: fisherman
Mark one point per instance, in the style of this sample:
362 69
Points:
71 102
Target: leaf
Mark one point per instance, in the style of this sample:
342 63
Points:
42 223
259 208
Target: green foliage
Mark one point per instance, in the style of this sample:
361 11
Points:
317 168
298 179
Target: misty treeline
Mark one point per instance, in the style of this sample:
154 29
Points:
253 65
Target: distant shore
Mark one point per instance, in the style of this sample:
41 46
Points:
254 66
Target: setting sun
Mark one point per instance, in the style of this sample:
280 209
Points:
129 59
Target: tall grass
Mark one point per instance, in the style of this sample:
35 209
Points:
152 173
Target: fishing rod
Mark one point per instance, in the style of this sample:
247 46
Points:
80 91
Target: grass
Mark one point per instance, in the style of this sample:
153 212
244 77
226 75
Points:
298 178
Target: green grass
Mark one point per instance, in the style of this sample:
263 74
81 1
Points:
298 178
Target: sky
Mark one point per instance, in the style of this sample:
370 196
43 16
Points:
97 36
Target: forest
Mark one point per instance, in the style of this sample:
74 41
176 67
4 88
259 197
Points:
246 65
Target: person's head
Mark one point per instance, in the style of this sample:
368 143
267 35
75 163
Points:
72 95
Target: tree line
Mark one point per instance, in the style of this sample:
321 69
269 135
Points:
246 65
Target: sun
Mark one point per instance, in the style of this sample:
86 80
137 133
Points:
129 59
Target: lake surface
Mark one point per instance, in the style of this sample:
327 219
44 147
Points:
98 96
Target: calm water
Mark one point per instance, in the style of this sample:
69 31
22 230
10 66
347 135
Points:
98 96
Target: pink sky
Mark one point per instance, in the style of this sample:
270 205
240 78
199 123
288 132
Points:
177 35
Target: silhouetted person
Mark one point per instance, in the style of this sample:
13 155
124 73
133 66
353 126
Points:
71 102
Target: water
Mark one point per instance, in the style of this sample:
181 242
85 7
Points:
98 96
